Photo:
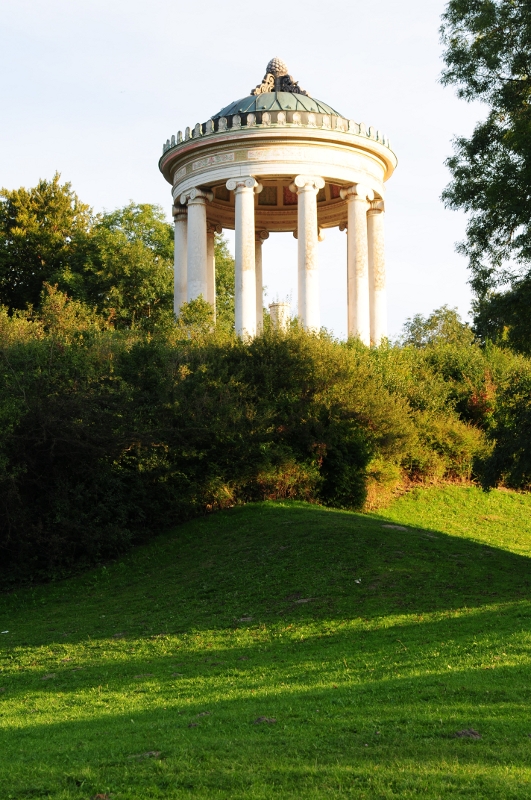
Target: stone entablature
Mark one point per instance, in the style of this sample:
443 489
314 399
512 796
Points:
275 156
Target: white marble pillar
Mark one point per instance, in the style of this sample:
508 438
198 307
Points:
261 236
306 187
212 229
377 291
197 266
180 294
244 257
358 197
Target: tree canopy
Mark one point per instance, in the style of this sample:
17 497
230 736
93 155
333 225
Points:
44 233
118 263
488 58
442 326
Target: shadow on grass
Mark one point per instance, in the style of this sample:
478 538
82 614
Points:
370 645
330 720
272 563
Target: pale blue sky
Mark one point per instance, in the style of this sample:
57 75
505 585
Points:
93 87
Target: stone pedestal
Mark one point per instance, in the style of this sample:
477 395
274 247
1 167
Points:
280 315
306 187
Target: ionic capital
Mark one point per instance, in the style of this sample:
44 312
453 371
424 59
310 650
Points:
240 184
180 213
261 236
377 207
214 227
307 183
197 196
357 192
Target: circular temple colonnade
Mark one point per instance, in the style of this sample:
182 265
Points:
279 160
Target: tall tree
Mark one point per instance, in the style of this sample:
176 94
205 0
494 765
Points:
488 58
44 232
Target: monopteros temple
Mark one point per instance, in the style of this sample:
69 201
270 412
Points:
279 160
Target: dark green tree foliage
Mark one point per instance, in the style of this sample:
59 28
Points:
510 460
119 263
44 232
504 318
224 283
488 57
128 276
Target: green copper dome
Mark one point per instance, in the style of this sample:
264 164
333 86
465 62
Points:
275 101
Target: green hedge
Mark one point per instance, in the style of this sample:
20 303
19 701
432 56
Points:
106 436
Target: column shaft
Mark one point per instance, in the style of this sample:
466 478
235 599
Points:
211 268
377 289
197 271
307 236
259 285
244 256
358 263
259 240
180 294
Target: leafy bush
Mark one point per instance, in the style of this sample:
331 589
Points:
108 436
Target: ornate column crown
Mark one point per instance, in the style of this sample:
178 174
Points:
277 79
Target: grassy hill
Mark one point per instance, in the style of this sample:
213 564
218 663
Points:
283 650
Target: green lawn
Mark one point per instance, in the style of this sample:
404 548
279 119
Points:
371 640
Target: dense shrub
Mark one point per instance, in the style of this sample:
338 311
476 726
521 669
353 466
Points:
510 460
108 436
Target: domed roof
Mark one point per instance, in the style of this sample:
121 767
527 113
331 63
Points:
275 101
277 92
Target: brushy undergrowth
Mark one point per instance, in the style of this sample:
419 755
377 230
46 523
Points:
108 436
282 650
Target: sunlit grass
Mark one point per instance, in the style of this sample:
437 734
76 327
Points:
371 647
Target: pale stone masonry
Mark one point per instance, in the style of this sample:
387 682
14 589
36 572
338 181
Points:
280 160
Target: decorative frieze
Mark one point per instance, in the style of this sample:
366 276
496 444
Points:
209 161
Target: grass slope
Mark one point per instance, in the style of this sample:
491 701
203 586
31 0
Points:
371 640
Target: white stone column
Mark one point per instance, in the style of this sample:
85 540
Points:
212 229
377 290
244 257
306 187
180 294
197 268
358 198
261 236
